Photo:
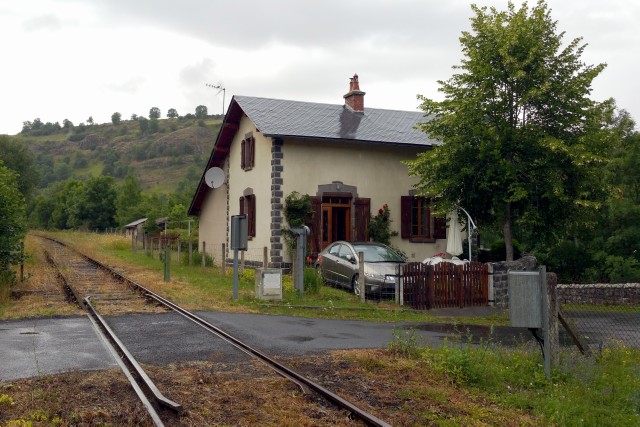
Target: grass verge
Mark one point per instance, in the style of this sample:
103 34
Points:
198 288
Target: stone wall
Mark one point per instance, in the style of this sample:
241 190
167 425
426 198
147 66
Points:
500 278
600 294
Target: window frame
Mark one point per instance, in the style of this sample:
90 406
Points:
248 207
248 152
436 226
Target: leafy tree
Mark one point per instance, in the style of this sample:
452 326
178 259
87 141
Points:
154 113
172 113
201 112
134 116
522 143
17 156
143 122
67 124
129 201
68 207
99 208
12 222
154 126
90 120
116 118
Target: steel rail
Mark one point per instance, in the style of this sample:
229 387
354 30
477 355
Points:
288 373
128 358
123 357
151 410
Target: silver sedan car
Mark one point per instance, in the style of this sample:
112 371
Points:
338 265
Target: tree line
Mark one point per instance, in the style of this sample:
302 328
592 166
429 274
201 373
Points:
38 128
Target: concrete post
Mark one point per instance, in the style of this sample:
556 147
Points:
265 257
204 253
224 260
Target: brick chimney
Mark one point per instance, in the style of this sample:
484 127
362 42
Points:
354 100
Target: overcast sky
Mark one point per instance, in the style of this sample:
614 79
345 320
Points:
71 59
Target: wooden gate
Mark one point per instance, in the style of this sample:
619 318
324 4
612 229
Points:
445 285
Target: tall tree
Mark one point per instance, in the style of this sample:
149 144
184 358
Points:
154 113
129 203
100 208
201 112
19 158
172 113
12 222
116 118
520 143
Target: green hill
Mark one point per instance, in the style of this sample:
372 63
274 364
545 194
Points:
168 156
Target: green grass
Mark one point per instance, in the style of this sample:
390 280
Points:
214 291
603 308
581 391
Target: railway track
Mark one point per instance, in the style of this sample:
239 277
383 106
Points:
88 282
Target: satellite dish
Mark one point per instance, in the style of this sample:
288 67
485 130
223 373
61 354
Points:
214 177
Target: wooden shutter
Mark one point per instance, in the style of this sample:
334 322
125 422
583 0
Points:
251 208
243 154
241 205
363 215
252 151
406 203
315 225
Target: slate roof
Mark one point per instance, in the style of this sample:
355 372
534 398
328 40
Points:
310 120
282 118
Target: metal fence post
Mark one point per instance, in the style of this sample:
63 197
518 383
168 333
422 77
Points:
361 277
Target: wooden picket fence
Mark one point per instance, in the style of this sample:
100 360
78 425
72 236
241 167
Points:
445 285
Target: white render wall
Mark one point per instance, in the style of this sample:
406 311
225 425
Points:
377 171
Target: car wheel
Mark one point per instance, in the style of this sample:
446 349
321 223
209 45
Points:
354 285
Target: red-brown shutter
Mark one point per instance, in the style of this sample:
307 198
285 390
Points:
405 216
252 151
363 215
252 215
241 205
243 154
315 225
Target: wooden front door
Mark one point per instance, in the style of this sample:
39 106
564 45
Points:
336 219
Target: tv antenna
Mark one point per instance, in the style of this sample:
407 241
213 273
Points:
222 89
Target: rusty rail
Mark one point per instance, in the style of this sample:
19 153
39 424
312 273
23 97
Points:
303 382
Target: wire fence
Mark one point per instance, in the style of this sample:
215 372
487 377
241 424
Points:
592 328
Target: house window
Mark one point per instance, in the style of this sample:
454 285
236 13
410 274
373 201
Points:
248 207
418 225
248 155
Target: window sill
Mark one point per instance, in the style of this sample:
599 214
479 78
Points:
416 239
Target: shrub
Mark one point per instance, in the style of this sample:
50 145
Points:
312 281
380 226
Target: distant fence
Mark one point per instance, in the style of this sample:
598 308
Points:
602 314
445 285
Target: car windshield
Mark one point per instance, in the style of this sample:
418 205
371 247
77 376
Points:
374 253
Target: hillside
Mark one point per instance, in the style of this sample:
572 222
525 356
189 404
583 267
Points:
171 156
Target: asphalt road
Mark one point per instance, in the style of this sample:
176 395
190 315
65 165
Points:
52 345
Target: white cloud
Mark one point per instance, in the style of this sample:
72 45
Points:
74 59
